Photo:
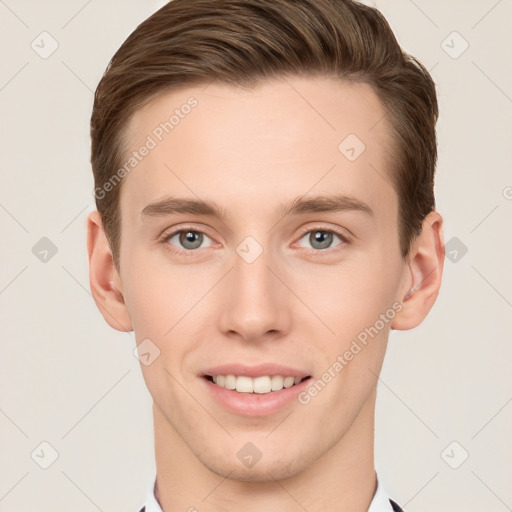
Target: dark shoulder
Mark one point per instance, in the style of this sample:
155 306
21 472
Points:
396 508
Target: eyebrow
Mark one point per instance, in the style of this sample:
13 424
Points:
299 206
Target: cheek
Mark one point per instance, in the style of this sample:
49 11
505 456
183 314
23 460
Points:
158 293
172 307
352 297
146 302
359 309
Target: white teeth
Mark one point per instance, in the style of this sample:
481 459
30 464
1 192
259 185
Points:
230 382
288 382
261 385
244 385
277 382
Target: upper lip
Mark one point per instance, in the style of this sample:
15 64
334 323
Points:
259 370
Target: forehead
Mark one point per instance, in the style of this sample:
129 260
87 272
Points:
283 138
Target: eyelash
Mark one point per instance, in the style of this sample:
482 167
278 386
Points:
345 240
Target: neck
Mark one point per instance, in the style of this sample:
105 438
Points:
344 475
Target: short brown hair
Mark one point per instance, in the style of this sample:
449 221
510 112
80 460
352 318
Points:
242 43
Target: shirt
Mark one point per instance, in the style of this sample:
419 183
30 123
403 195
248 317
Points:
380 502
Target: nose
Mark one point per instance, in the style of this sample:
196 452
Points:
256 302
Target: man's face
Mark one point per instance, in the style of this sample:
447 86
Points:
258 287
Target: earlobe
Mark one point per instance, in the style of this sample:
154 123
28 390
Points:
104 279
425 264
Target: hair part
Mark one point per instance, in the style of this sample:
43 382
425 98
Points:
245 42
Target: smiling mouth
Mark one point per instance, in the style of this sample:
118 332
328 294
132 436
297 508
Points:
261 385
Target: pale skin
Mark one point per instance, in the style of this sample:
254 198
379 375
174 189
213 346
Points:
250 151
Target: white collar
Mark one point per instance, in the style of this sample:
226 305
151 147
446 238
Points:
151 504
380 501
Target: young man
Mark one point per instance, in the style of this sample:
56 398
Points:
264 182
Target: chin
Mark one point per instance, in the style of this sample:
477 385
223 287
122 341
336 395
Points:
261 471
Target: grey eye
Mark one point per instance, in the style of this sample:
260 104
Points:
191 239
320 238
188 239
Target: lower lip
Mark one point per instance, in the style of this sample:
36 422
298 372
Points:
254 404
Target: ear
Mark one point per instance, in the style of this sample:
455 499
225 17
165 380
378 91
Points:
425 263
104 279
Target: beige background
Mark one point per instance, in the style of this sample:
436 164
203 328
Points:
67 379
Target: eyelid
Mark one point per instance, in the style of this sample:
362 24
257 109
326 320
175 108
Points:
169 232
